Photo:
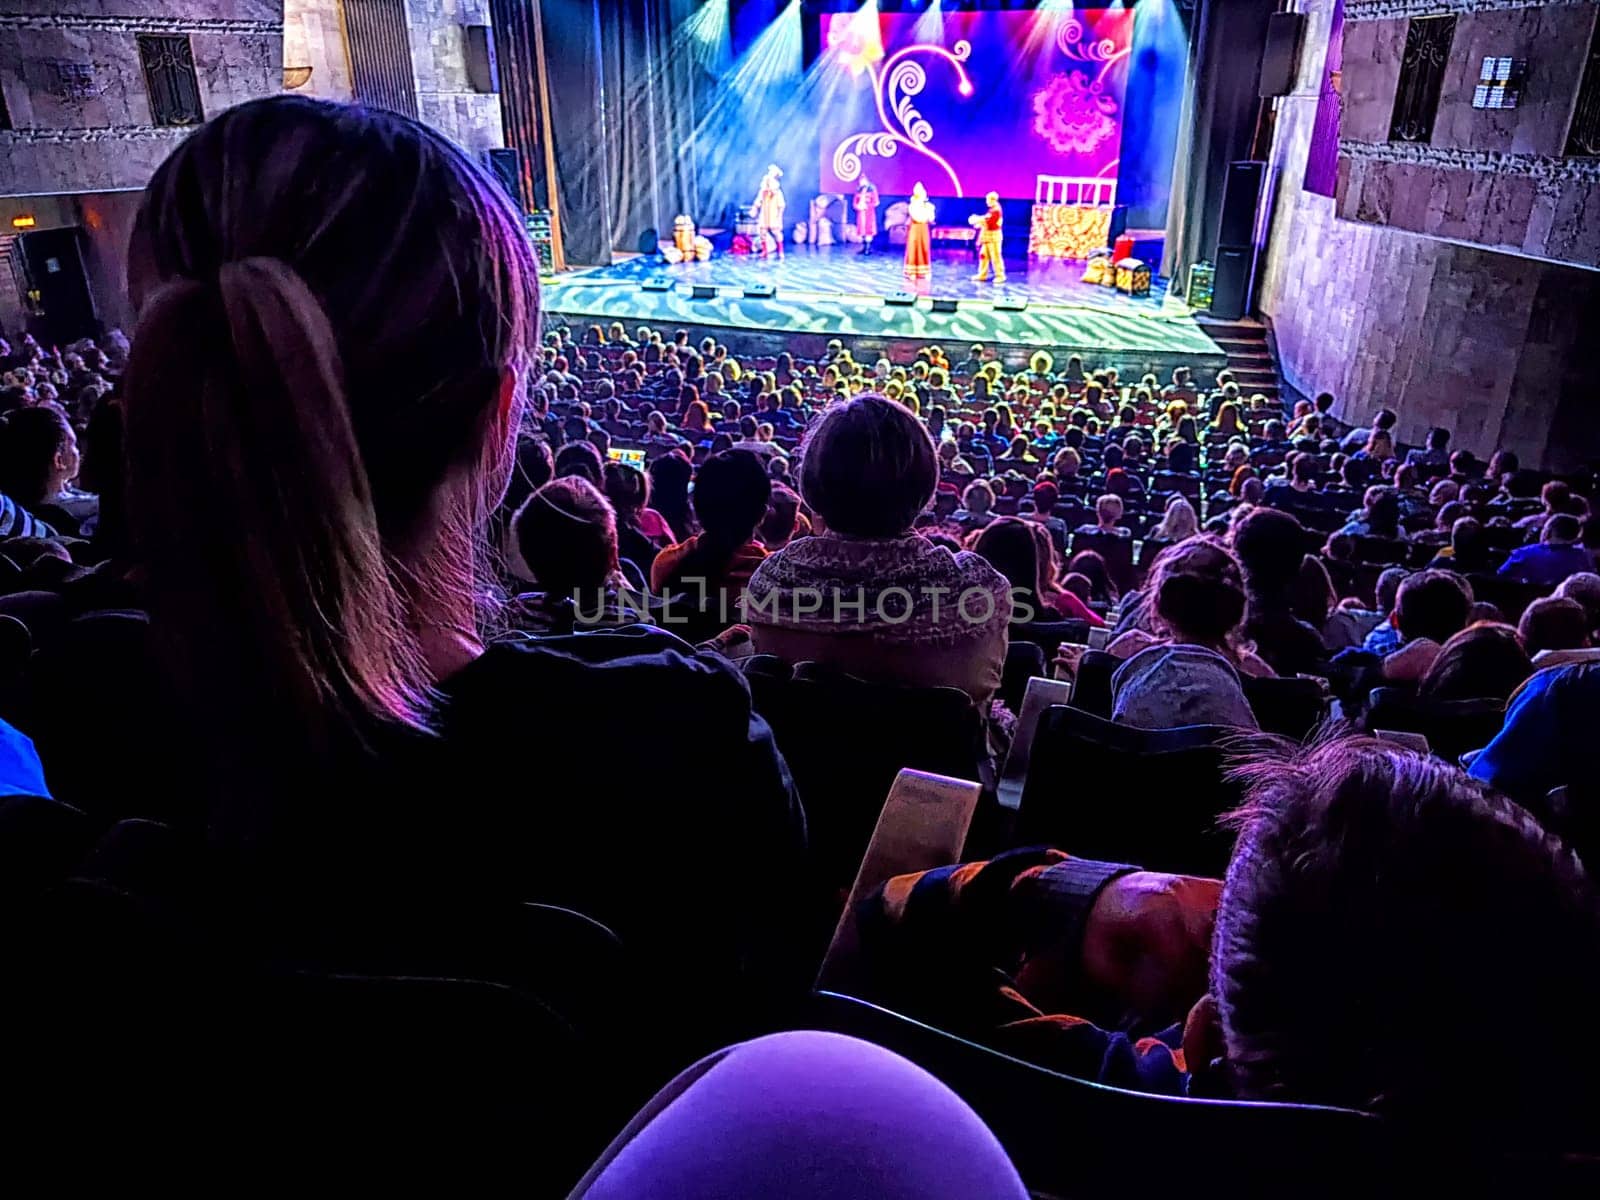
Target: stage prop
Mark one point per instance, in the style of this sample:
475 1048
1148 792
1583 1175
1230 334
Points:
1099 269
1071 216
687 244
1133 277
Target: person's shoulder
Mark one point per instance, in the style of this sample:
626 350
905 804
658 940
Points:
580 675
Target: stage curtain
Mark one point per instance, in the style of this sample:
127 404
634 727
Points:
1217 125
621 109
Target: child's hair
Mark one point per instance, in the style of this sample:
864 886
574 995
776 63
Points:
567 535
1196 592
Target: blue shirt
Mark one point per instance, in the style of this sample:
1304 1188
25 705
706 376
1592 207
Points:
1547 563
1548 737
1384 639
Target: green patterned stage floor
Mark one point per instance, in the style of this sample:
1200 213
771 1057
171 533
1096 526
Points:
834 292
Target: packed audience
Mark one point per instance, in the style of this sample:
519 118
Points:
373 546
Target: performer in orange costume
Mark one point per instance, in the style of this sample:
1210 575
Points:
769 212
866 213
918 260
988 227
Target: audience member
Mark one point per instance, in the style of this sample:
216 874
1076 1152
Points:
1554 623
1485 661
1555 556
868 594
1186 672
1270 545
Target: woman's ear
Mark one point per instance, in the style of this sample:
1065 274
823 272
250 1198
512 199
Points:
510 383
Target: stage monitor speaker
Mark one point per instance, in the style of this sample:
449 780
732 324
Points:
945 304
1241 195
649 241
704 291
1280 60
1010 304
760 291
656 285
900 299
483 74
1231 286
506 166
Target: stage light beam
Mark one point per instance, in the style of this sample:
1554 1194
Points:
708 37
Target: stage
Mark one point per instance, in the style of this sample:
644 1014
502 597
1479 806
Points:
832 291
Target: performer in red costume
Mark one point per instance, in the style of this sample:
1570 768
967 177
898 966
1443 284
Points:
918 242
866 213
988 227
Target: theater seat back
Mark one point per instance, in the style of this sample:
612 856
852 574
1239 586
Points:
1142 796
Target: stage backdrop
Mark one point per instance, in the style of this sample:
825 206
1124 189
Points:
971 102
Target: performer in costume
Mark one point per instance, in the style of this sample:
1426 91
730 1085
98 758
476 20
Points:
988 227
866 213
917 240
769 212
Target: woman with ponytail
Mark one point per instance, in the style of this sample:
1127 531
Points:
338 316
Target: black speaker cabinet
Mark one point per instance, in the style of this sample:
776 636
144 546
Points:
1231 287
1241 195
1280 59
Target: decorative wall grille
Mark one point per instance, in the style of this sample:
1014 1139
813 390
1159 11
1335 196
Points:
1583 139
1416 100
170 79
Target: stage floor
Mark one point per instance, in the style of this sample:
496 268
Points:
832 291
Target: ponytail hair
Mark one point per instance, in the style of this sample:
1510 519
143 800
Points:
320 413
255 517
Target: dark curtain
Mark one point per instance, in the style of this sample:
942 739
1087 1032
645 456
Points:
622 107
1217 125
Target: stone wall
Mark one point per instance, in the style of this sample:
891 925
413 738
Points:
1495 178
445 98
76 92
314 36
1485 344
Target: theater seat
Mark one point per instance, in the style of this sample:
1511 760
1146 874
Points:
1117 551
1145 796
1289 706
1024 660
1091 687
1072 1138
1049 635
846 739
1452 727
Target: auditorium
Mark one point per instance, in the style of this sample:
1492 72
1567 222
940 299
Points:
1043 554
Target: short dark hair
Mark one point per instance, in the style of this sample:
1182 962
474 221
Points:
580 458
1339 975
1552 623
1485 661
731 490
869 467
1562 527
1432 604
1386 418
1270 545
567 534
1438 438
